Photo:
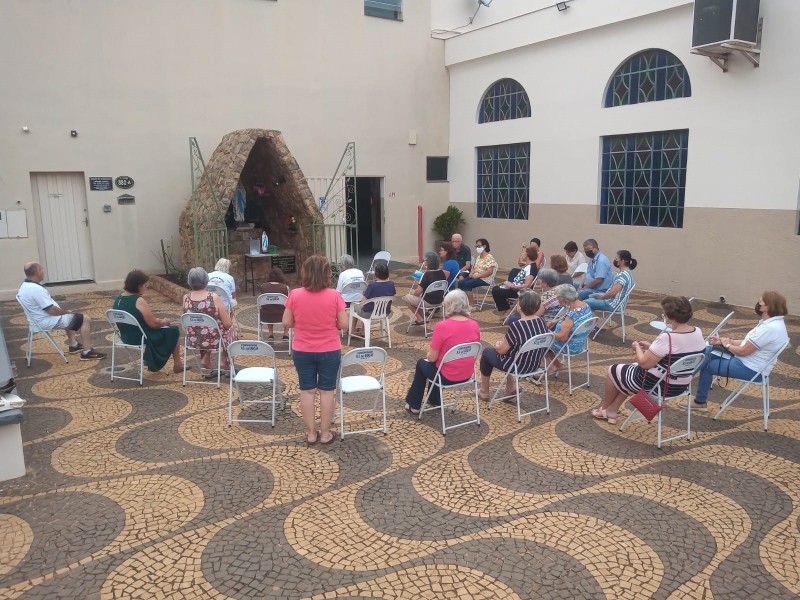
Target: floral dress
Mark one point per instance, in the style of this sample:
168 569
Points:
204 338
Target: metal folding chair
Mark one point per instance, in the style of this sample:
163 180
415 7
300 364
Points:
353 287
719 327
191 321
354 384
117 317
565 352
273 300
216 288
541 343
489 287
760 379
683 367
382 256
33 329
381 311
461 351
256 376
428 309
619 310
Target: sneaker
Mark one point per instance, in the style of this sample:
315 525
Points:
92 354
696 406
76 348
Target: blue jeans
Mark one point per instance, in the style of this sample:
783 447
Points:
724 367
425 370
470 283
598 304
317 370
586 292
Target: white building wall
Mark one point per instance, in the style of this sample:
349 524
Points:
137 82
743 156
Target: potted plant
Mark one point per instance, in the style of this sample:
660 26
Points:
448 223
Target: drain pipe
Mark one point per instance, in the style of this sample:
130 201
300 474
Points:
419 231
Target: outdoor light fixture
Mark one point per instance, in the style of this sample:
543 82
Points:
561 6
73 133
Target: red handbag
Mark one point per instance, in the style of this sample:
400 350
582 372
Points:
644 402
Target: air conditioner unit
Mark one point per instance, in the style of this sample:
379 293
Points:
730 22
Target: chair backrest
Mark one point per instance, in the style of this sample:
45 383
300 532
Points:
250 348
541 341
380 307
382 255
270 300
494 274
719 327
221 292
116 317
33 322
190 320
624 301
354 287
436 286
466 350
685 366
360 356
584 327
772 361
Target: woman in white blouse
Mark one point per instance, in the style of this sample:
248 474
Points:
575 258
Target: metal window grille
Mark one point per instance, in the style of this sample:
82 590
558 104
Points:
505 100
649 76
503 181
644 179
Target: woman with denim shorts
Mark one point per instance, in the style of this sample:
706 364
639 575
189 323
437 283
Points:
316 312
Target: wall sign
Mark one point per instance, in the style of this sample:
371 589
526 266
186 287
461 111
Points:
100 184
124 182
287 264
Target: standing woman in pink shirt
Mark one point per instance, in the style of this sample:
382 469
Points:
316 312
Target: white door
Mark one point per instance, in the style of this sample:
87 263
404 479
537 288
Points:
63 225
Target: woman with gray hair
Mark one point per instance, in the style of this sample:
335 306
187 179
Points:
456 328
221 277
200 300
505 350
578 312
432 273
549 306
349 274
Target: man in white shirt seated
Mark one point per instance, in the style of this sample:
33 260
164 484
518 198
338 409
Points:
48 315
349 274
221 277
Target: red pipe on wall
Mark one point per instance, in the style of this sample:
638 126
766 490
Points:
419 231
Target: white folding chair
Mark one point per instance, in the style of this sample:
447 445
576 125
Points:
619 310
719 327
489 287
117 317
353 384
216 288
427 308
565 352
381 311
512 302
688 366
272 300
760 379
417 275
354 287
33 329
196 321
257 376
382 256
540 343
461 351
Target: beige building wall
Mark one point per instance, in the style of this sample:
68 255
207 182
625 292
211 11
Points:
740 222
137 80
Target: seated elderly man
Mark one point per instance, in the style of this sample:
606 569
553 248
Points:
463 253
47 314
222 278
598 276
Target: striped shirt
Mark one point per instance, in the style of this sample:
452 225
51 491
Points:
518 333
625 279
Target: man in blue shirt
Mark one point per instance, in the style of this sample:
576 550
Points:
599 276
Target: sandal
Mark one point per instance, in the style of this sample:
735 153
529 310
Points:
411 411
179 368
484 397
330 441
308 443
601 415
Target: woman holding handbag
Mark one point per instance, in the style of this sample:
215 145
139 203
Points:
653 360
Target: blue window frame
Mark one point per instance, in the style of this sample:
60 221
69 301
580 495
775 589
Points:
649 76
385 9
503 181
644 179
505 100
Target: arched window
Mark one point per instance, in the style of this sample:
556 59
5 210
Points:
506 99
649 76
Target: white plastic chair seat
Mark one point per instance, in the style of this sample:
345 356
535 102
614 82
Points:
359 383
255 375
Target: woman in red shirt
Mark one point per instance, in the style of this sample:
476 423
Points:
317 313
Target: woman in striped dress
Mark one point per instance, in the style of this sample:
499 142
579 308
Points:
652 360
505 350
623 281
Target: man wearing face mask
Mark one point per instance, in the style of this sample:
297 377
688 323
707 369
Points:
598 276
481 273
744 358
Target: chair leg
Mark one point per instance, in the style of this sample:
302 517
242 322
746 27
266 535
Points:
765 397
30 348
185 352
367 333
141 365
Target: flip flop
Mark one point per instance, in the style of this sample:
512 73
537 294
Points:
601 415
411 411
314 443
10 402
330 441
484 397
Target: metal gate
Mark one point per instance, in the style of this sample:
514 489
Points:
208 214
337 233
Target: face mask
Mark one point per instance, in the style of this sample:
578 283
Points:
478 249
616 263
758 308
590 253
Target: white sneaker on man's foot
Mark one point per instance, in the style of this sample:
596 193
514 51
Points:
696 406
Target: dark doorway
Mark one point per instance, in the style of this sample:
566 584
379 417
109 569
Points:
369 211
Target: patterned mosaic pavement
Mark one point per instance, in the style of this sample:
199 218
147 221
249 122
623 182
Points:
147 493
